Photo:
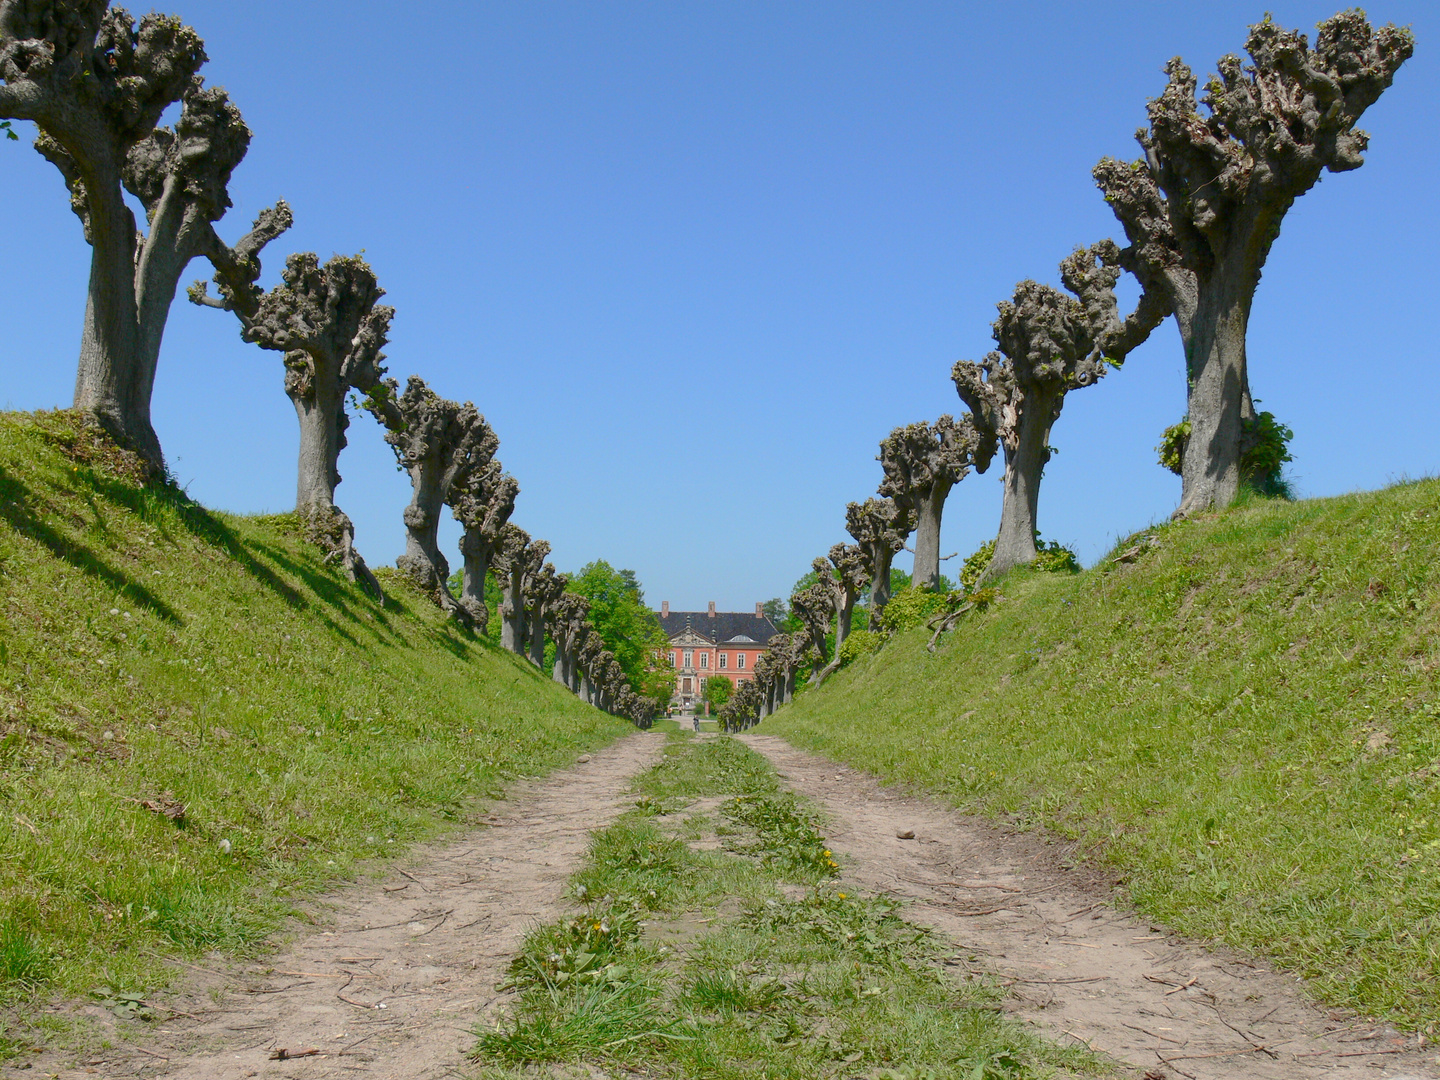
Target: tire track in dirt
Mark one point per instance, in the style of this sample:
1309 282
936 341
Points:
409 963
1079 968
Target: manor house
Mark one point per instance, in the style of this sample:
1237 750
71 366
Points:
704 644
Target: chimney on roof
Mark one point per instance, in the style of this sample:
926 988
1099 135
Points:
759 611
712 609
664 609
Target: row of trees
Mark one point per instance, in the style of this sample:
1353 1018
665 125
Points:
96 82
1200 210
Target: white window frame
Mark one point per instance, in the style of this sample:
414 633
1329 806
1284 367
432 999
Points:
689 658
740 661
723 658
705 661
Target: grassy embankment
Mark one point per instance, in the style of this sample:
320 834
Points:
1245 719
153 650
718 940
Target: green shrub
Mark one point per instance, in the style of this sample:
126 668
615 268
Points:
1264 451
911 607
1052 557
859 643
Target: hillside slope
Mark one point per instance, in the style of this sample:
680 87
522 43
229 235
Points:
152 651
1243 719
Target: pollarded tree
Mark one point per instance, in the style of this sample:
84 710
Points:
439 443
922 462
587 654
1050 344
328 325
1206 201
785 652
844 576
96 83
815 607
568 616
543 588
482 501
512 561
881 528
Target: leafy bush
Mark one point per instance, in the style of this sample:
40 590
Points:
859 643
1264 450
976 564
911 607
1052 557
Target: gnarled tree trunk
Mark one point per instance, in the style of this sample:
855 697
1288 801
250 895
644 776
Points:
1218 394
1024 464
929 508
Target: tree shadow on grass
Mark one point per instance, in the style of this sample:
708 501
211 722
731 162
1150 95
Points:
158 505
16 509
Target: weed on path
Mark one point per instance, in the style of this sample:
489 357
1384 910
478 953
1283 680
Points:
718 937
1030 911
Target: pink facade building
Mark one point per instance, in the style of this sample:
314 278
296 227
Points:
704 644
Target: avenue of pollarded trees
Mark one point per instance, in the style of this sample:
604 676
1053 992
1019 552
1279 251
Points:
1200 210
1220 166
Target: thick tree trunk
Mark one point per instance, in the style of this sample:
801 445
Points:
1015 543
880 587
789 685
423 560
472 587
561 671
322 436
537 636
927 536
109 382
512 612
1219 392
584 690
842 631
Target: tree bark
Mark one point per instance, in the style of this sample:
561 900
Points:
1024 464
880 587
537 636
512 612
472 583
108 381
321 414
423 560
1218 392
928 512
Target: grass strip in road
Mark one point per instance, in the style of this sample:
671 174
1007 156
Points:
714 939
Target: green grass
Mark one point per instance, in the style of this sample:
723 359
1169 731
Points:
151 649
742 961
1244 721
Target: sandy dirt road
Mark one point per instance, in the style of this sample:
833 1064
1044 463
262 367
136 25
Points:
1081 969
404 967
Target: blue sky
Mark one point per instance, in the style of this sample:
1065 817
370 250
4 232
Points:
693 261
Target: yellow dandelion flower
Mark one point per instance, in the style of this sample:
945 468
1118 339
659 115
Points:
841 895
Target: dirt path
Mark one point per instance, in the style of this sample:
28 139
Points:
1083 970
408 965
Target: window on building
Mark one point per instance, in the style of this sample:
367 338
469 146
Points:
740 660
705 659
723 658
674 660
689 658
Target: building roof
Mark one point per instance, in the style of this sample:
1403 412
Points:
722 628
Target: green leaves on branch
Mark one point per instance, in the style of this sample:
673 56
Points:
1264 450
9 132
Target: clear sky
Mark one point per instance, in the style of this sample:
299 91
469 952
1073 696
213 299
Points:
693 261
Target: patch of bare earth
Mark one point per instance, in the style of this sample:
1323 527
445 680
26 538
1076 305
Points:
1080 968
408 964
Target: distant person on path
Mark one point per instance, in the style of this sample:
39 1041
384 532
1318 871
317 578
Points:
696 719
